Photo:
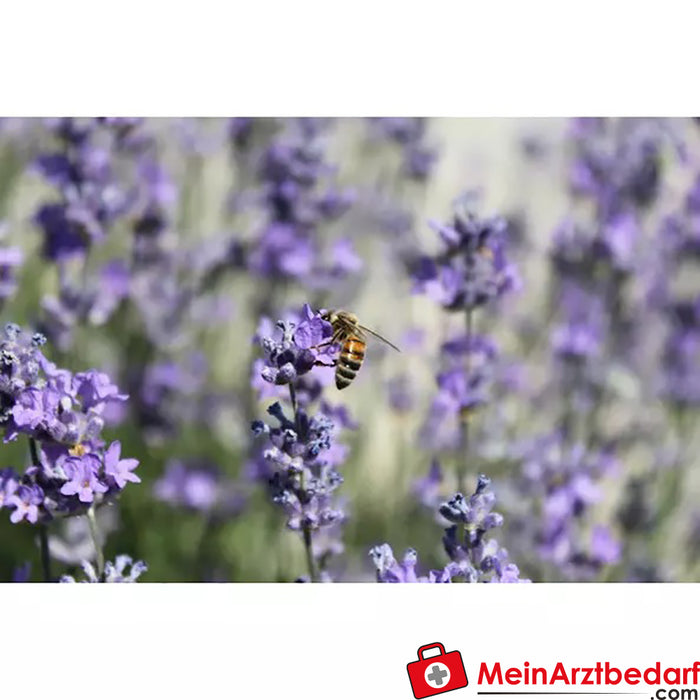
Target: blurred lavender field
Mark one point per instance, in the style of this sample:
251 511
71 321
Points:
166 412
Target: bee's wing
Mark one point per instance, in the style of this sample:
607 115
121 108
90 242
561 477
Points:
376 335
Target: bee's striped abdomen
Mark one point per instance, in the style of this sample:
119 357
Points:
351 356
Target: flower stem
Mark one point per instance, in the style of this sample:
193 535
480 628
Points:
92 522
45 555
295 405
310 562
463 461
306 530
34 452
43 527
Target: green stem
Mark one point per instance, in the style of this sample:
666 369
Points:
45 554
310 562
94 533
34 452
43 527
295 405
463 460
308 546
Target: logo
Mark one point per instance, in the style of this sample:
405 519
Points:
436 674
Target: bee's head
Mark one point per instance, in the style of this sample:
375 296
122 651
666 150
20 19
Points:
329 315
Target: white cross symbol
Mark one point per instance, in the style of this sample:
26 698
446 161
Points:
437 675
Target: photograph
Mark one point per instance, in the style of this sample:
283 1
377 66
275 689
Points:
350 350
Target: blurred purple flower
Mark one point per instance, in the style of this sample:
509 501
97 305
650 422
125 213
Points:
427 488
604 548
472 268
9 483
22 573
401 393
463 387
618 162
91 196
197 488
11 259
410 134
566 482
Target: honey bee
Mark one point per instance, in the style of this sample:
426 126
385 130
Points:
351 336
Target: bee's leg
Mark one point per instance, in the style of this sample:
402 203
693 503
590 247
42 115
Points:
332 341
318 363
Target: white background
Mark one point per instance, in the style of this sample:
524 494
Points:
366 57
323 641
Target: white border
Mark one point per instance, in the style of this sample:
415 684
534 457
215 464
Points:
317 641
314 57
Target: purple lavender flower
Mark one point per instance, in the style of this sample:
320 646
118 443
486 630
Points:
401 393
293 179
476 558
170 394
193 488
62 416
307 331
681 359
410 134
121 470
22 573
565 479
618 163
20 363
26 501
303 461
282 250
471 269
605 549
295 354
91 199
463 387
82 473
427 488
678 303
11 259
200 487
113 285
473 557
475 511
30 406
95 389
391 571
312 330
579 336
9 483
576 341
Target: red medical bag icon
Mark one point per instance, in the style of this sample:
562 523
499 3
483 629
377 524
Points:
436 674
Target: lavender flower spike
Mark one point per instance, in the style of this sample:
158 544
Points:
391 571
114 572
294 355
